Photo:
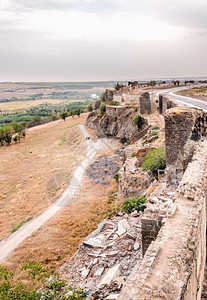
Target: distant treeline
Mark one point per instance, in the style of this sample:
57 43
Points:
40 114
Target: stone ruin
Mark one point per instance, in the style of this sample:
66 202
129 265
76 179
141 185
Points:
165 103
145 104
184 127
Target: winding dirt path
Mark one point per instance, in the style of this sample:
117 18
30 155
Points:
14 240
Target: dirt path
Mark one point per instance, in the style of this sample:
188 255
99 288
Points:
15 239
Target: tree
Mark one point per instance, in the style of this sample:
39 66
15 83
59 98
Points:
64 115
152 83
118 86
78 112
90 107
7 135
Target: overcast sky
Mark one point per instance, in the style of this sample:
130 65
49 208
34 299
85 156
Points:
77 40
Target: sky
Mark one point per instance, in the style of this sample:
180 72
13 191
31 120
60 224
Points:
94 40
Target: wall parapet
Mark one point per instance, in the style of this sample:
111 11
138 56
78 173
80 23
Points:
173 266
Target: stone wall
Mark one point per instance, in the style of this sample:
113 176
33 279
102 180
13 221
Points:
173 265
114 111
165 103
150 228
109 94
184 127
145 104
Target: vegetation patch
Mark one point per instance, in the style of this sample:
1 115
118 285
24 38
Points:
153 133
21 224
138 121
51 289
155 160
134 203
115 103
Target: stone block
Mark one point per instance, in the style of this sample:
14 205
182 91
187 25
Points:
111 275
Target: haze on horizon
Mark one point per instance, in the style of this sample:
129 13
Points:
85 40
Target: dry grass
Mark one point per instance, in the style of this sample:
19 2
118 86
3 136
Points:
34 173
21 105
56 242
197 92
36 161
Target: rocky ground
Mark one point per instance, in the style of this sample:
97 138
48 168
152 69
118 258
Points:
106 257
103 169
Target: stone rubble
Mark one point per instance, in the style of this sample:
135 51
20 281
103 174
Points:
106 258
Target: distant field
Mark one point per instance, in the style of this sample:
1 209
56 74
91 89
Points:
21 105
197 92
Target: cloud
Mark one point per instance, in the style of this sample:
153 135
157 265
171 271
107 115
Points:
102 39
189 13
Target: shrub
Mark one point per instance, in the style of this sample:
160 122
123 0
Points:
133 154
136 109
102 109
153 133
97 104
52 289
116 177
102 97
138 121
134 203
155 127
155 160
115 103
90 107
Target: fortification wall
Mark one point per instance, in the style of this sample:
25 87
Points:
165 103
173 265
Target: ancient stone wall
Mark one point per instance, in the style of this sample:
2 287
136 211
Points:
145 104
114 111
173 265
150 227
165 103
109 94
183 128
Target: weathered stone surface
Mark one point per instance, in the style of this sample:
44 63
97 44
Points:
103 169
145 104
121 127
173 266
183 127
165 103
111 275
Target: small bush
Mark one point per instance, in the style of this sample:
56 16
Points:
136 109
134 203
116 177
133 154
156 101
102 109
155 160
138 121
115 103
155 127
153 133
21 224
